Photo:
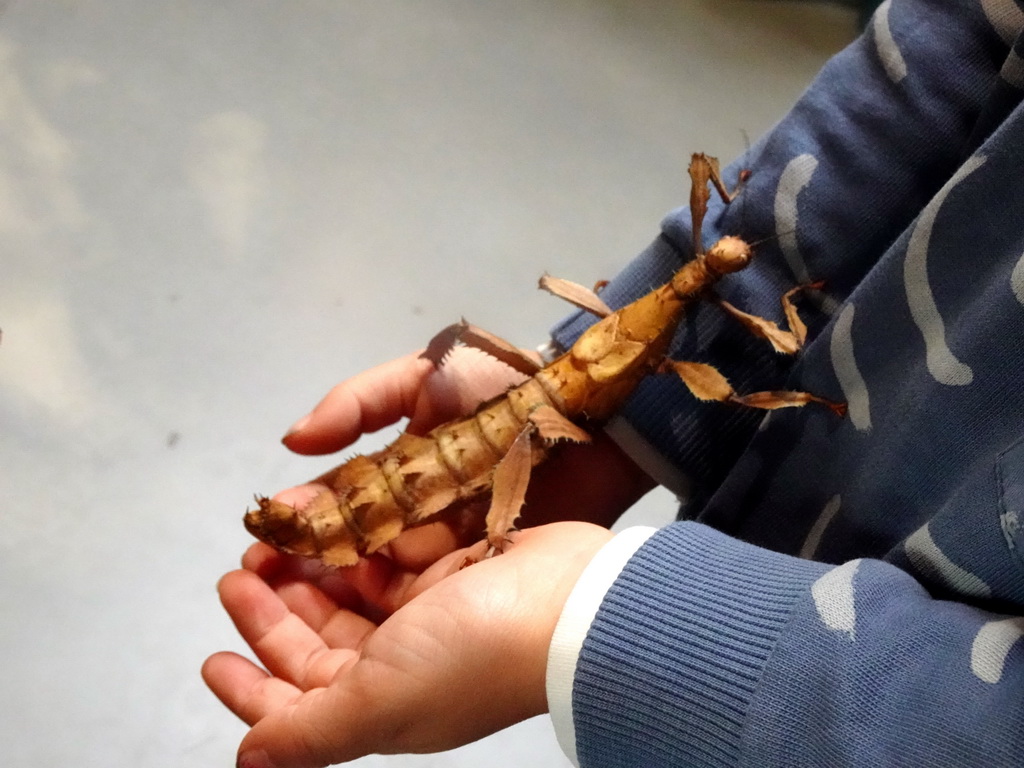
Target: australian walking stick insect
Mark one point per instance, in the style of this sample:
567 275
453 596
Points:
373 498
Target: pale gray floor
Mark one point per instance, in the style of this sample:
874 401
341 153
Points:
212 211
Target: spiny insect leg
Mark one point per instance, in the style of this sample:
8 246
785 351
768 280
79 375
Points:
512 474
787 342
575 294
471 336
511 478
715 175
700 173
796 325
769 401
553 426
707 383
704 170
782 341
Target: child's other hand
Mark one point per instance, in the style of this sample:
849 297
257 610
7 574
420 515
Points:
377 659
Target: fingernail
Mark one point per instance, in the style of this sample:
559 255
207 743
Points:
256 758
298 426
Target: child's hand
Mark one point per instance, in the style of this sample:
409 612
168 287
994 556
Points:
594 482
408 387
375 658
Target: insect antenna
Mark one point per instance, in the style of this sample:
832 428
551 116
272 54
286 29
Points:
744 176
770 238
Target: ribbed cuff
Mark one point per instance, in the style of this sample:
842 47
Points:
676 650
577 615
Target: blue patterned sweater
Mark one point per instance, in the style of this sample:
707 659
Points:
842 592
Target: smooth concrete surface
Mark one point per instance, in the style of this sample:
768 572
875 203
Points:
210 212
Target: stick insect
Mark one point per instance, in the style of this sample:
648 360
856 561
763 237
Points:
487 457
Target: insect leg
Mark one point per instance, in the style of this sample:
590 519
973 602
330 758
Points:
471 336
715 176
575 294
511 477
707 383
703 170
795 323
787 342
512 473
553 426
783 341
700 173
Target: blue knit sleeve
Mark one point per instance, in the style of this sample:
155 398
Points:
711 652
875 136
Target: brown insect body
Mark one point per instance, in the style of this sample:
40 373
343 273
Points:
373 498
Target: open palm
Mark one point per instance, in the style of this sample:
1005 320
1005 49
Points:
378 659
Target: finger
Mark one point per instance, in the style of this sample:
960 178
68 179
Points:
425 687
370 591
430 683
311 605
263 560
380 582
244 688
417 548
365 403
278 569
467 378
339 628
289 648
319 728
345 605
408 387
363 595
322 597
315 592
300 496
449 565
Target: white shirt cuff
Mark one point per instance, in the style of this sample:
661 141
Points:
574 623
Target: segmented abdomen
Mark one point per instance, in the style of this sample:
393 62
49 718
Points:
375 497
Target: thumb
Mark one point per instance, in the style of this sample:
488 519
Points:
368 401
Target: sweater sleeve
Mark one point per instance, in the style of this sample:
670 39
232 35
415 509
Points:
710 651
575 620
707 651
832 186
